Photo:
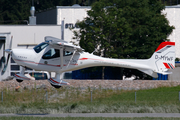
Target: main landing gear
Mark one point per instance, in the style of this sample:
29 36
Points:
57 82
56 86
19 81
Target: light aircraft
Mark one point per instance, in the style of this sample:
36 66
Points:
56 55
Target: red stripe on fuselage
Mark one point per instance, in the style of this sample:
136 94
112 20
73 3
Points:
42 63
83 58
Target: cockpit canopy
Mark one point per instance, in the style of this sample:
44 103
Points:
52 53
40 47
55 53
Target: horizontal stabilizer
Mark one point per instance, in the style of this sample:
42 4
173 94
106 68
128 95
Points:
166 73
149 72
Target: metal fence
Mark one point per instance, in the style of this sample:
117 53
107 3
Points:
91 95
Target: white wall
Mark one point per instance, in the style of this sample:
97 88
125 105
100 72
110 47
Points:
71 15
30 34
173 15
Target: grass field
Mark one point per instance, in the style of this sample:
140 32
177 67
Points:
76 100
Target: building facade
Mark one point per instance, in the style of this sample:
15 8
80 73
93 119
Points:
173 15
69 14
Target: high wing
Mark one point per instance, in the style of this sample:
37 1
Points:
62 44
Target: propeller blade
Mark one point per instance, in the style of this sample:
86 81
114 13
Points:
10 45
5 66
3 59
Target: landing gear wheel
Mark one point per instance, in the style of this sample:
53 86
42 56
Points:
57 87
19 81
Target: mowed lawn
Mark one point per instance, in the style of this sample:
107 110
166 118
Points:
77 100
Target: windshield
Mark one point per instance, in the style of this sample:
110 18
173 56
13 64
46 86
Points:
40 47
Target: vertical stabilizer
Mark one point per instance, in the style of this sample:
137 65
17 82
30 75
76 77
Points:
163 58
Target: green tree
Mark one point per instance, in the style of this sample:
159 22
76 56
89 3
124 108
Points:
124 28
16 11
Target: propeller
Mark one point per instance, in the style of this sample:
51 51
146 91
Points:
9 53
3 59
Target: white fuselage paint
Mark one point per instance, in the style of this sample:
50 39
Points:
29 58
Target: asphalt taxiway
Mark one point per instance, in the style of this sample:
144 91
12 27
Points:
176 115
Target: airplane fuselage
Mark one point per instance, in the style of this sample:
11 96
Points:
29 58
56 55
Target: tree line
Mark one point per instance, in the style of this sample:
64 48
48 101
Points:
18 11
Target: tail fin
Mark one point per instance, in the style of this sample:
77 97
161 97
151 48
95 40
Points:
163 59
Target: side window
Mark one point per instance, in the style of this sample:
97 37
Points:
52 53
67 53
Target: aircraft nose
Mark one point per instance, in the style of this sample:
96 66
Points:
22 54
19 54
14 53
9 51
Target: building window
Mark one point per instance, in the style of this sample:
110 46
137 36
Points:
28 68
12 61
13 73
15 67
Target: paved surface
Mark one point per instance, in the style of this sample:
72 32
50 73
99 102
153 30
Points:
99 115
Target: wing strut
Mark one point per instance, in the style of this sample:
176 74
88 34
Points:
71 57
61 57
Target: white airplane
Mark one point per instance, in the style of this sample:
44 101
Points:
55 55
